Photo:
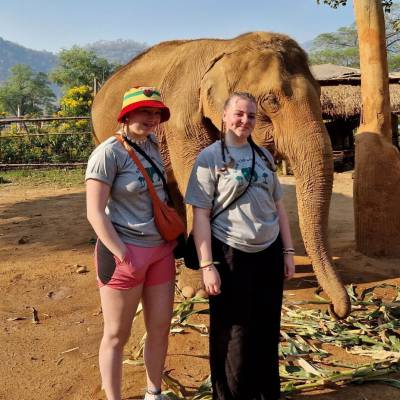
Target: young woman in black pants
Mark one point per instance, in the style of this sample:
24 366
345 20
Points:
245 253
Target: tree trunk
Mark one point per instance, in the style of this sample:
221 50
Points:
377 161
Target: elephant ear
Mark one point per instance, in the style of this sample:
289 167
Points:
214 89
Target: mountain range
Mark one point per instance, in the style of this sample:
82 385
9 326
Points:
117 51
13 53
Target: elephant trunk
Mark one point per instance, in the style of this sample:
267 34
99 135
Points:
312 163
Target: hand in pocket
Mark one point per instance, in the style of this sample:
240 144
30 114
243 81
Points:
129 266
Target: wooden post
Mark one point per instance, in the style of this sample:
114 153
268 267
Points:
94 86
377 161
18 116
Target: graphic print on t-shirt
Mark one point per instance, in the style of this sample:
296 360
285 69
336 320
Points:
242 171
151 172
155 178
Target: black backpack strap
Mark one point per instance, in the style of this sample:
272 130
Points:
152 163
253 163
267 161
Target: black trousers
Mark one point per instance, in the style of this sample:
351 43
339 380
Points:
245 323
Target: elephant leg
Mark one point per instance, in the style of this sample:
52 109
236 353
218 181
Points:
183 154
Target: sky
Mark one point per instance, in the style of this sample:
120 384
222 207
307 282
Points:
54 25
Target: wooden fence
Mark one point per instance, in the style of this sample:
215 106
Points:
36 143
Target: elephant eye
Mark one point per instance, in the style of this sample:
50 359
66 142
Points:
271 103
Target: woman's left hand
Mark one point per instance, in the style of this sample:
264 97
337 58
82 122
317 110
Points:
290 267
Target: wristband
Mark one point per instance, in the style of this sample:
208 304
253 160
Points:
289 251
207 267
206 263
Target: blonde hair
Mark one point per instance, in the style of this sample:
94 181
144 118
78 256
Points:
242 95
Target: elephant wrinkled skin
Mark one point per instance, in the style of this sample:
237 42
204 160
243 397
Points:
195 77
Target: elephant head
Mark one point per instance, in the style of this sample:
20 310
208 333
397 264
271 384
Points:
196 77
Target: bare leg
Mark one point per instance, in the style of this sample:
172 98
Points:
119 308
157 307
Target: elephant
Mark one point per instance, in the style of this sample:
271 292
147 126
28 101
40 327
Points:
195 77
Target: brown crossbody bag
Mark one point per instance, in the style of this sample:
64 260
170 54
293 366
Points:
167 220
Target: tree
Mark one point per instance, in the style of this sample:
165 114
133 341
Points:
341 47
26 92
377 164
79 67
377 167
348 57
345 37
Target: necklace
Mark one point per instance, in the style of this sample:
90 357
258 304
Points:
137 141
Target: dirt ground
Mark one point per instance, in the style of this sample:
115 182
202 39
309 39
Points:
44 239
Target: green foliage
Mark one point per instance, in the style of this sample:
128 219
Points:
394 62
392 31
50 148
386 4
347 57
333 3
340 48
344 37
76 101
26 91
79 67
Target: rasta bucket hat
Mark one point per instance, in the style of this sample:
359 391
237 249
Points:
138 97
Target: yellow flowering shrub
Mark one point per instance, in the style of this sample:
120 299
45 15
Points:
76 101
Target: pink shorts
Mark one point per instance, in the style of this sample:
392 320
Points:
141 265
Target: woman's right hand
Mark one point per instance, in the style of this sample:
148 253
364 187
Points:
211 280
122 255
128 265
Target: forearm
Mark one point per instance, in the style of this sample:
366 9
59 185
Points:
202 238
97 194
202 234
107 234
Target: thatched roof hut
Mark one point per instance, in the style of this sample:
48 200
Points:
345 100
341 91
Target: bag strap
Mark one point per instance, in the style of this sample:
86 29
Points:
267 161
152 163
135 159
253 162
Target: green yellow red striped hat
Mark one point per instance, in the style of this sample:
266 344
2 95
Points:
143 97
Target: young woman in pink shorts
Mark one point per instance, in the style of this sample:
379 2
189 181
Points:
134 263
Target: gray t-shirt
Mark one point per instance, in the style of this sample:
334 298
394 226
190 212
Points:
129 206
250 224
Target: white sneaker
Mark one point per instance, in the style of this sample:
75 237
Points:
149 396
